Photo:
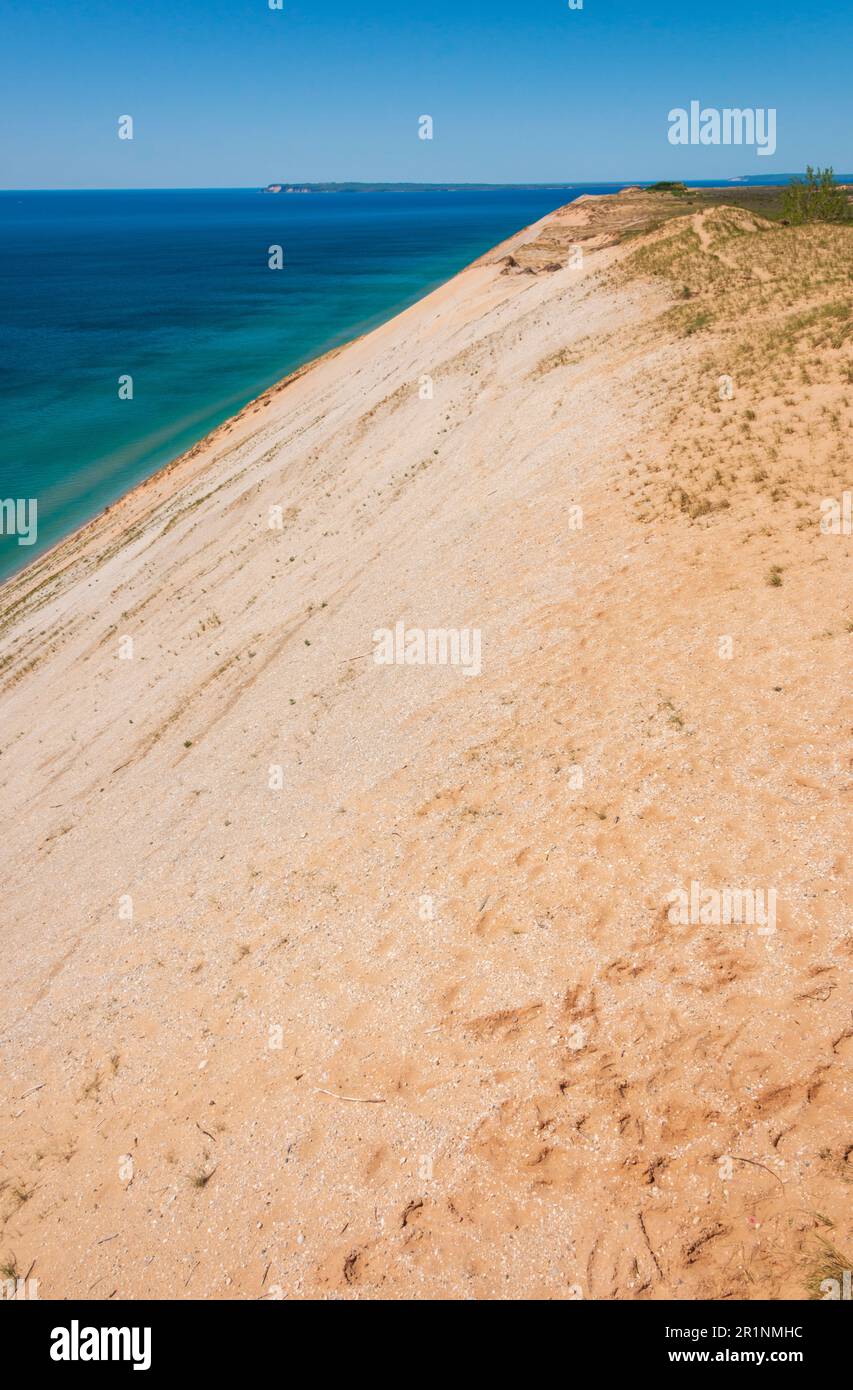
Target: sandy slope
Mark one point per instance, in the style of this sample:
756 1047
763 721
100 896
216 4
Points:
533 1084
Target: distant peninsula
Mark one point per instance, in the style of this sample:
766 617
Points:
400 187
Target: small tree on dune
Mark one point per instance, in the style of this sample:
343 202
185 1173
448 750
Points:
817 198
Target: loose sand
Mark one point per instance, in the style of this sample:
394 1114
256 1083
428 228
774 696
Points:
417 1023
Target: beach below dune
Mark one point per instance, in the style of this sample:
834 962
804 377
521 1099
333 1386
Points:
325 978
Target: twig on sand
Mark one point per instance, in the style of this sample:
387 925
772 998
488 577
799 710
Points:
32 1090
360 1100
649 1244
756 1164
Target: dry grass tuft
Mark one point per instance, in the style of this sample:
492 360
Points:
826 1264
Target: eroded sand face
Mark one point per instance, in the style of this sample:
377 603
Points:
414 1021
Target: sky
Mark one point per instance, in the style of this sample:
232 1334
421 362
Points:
233 93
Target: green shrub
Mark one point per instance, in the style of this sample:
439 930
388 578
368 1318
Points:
817 198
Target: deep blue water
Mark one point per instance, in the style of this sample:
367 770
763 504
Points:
174 289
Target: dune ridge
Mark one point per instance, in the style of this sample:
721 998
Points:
323 978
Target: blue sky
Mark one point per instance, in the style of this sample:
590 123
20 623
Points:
231 93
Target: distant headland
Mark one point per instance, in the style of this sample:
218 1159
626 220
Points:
400 187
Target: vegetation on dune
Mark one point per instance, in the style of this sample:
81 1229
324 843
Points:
827 1264
817 198
770 201
763 411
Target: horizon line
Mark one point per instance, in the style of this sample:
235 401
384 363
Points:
407 183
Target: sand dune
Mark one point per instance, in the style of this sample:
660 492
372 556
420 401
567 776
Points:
326 978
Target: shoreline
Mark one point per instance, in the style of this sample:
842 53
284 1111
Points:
207 442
